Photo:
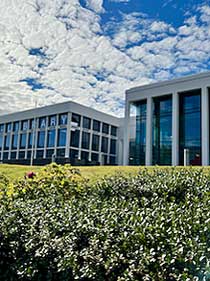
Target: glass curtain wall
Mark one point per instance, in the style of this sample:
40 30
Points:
190 126
162 131
137 144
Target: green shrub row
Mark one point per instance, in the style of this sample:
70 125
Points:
155 226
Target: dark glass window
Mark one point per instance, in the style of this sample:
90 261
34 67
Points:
16 126
13 155
85 157
41 139
112 160
95 142
60 152
51 138
63 118
113 146
49 153
137 144
85 140
96 125
42 122
162 130
105 128
1 128
24 125
86 123
14 141
29 154
76 118
8 127
113 131
7 142
23 140
74 154
1 141
104 145
39 154
21 155
94 157
61 137
5 155
32 124
190 126
75 138
30 140
52 121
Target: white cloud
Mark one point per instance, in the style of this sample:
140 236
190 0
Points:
96 5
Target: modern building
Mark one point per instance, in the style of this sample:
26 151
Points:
163 119
65 132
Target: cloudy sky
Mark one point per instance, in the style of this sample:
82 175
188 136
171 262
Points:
91 51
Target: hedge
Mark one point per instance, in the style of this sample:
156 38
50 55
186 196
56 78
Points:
154 226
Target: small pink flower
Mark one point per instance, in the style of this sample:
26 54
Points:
30 175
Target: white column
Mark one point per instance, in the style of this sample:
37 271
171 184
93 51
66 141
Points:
205 126
149 132
126 135
175 129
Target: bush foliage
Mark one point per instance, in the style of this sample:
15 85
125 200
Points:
155 226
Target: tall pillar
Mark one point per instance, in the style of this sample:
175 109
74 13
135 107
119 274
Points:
175 129
205 126
149 133
126 135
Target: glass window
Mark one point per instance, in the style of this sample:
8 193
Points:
42 122
23 140
114 131
105 128
75 138
162 130
41 139
39 154
96 125
30 140
85 140
76 118
86 123
21 155
52 121
29 154
49 153
95 142
51 138
137 142
113 144
94 157
61 137
74 154
1 128
24 125
63 118
14 141
13 155
190 126
8 127
60 152
32 124
1 141
85 157
16 126
112 160
7 142
5 155
104 145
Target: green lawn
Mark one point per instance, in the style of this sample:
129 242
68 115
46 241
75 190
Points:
91 172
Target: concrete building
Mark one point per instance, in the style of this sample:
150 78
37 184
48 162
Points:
65 132
163 119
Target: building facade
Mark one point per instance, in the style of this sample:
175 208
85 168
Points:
163 119
66 132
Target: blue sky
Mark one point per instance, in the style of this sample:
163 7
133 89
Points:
91 51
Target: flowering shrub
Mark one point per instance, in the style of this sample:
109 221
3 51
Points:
155 226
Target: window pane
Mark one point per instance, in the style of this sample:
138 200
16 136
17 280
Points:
51 138
23 140
8 127
76 118
112 160
24 125
96 125
85 140
113 131
30 140
49 153
60 152
1 141
13 155
21 155
105 128
41 139
16 126
75 138
74 154
14 141
42 122
113 146
7 142
1 128
39 154
94 157
52 121
95 142
32 124
63 119
86 122
104 145
62 137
